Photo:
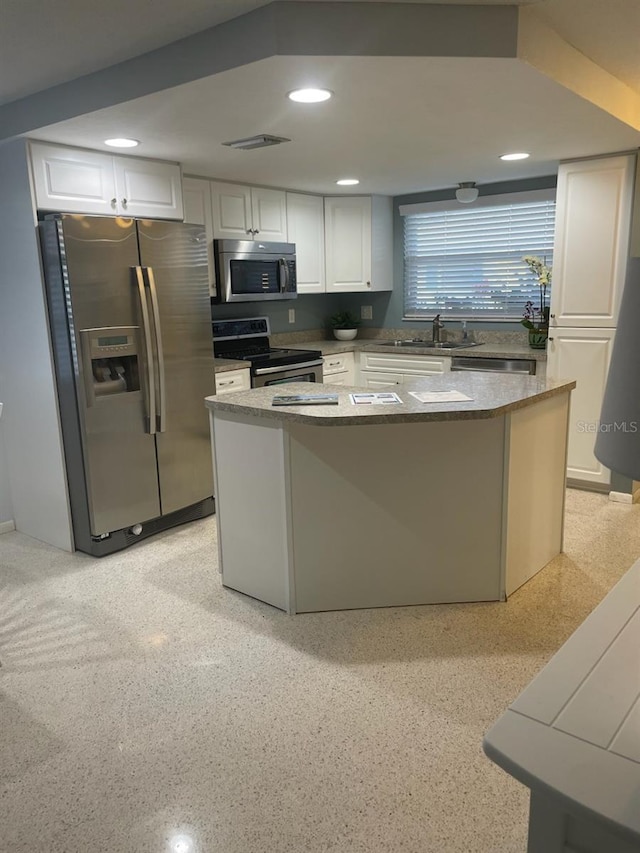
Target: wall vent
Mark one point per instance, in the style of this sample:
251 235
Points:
262 141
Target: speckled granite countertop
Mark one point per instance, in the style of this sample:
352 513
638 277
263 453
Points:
479 351
221 365
493 395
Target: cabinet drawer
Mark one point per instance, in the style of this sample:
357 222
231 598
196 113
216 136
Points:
232 380
340 363
419 365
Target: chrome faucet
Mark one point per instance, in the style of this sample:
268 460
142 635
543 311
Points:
437 325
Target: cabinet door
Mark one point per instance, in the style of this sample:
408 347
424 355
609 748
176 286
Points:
148 189
305 228
348 244
197 210
379 380
583 355
269 215
593 212
73 180
231 211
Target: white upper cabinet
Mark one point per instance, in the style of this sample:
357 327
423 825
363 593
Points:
593 213
148 188
305 228
248 213
197 210
72 180
358 243
81 181
269 209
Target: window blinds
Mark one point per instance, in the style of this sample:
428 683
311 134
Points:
468 262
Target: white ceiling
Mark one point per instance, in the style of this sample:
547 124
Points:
400 124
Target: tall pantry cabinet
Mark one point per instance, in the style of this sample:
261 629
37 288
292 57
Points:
593 218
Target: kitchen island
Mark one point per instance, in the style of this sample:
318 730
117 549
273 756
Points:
343 506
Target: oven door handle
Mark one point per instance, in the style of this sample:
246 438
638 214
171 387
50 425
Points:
262 371
284 274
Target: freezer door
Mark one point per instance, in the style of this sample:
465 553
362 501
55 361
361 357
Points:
174 257
116 460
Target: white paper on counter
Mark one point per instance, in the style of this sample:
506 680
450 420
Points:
378 398
440 396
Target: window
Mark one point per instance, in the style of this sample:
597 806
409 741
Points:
467 261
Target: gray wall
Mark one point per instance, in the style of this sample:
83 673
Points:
6 508
30 425
312 311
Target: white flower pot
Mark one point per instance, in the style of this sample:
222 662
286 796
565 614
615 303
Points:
345 334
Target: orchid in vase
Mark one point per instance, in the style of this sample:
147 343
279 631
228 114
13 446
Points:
536 317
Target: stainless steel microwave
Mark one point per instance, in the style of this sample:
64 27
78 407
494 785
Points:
250 271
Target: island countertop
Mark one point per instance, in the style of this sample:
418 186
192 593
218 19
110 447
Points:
492 396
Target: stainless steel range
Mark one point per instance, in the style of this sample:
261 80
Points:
248 340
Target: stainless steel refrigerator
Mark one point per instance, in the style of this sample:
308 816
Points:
130 323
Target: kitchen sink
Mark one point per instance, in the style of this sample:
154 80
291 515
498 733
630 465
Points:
415 343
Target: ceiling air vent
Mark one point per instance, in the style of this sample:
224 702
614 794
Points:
262 141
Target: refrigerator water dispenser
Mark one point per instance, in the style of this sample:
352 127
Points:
110 361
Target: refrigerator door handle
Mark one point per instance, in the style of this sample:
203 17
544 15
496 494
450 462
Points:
151 382
155 308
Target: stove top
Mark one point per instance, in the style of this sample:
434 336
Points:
248 340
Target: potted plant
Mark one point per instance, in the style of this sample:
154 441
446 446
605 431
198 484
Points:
536 317
344 325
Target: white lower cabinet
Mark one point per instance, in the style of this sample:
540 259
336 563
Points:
378 370
583 355
229 381
339 369
371 379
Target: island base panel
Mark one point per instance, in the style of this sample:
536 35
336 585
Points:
252 507
536 487
396 514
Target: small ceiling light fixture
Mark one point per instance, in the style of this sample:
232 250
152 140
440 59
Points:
348 182
517 155
467 192
121 142
309 96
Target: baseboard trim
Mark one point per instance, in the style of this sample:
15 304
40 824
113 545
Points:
587 486
625 497
7 526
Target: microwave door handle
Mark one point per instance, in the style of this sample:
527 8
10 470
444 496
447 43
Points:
283 267
151 382
162 414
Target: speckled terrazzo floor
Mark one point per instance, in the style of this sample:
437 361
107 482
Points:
145 709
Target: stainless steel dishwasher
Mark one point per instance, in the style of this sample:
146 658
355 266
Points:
494 365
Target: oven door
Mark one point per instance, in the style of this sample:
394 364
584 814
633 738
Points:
310 371
256 277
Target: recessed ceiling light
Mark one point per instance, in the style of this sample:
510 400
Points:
348 182
519 155
310 96
121 142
